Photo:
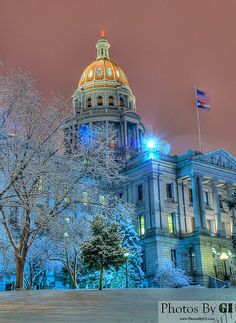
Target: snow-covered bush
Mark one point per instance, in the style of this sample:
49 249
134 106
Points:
169 276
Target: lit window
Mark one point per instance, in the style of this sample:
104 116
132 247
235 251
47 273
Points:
140 192
112 144
141 228
109 72
111 100
206 198
223 226
40 184
169 191
90 73
100 100
190 195
100 71
171 222
102 199
67 199
117 73
192 223
85 198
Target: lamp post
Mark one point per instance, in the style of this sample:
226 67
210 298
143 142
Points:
126 255
224 258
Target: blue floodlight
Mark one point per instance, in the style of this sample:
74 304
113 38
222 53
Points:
151 144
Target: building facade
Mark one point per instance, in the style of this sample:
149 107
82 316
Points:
181 201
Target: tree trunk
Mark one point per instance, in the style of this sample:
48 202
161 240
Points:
74 284
20 266
100 280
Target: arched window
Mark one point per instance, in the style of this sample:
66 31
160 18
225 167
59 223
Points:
100 100
111 100
122 103
89 103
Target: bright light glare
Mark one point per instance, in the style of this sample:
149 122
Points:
150 144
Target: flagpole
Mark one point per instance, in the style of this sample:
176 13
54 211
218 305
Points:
198 122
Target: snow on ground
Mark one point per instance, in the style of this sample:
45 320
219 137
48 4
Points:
117 305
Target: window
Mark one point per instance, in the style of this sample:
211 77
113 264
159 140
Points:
67 199
223 226
99 71
192 258
102 199
173 257
140 192
141 229
220 201
169 191
122 104
90 73
100 100
111 100
89 103
112 144
209 225
39 184
192 223
206 198
85 198
190 195
109 71
171 222
215 264
120 195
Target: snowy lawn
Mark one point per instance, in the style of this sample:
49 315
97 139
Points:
117 305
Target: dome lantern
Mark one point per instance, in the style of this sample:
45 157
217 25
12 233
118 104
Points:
102 47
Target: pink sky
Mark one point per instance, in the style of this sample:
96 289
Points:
164 46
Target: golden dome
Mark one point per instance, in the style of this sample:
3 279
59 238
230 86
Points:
103 72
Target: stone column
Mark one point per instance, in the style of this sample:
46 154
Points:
154 203
217 207
125 134
229 188
202 203
196 209
146 190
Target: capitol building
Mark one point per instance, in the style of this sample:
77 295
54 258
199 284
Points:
181 201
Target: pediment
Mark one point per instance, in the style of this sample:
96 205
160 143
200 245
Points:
219 157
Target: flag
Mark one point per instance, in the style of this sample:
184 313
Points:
202 99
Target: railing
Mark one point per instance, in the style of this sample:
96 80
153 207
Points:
216 283
26 284
227 318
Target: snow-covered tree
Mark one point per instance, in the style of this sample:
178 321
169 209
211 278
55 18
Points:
104 249
64 246
167 275
124 214
38 183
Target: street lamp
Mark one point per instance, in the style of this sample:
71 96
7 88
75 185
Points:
126 256
224 258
